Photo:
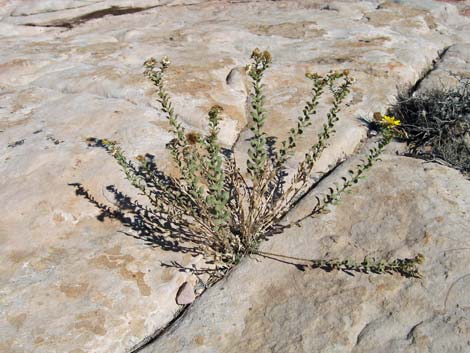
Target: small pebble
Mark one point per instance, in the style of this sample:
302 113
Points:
371 133
185 294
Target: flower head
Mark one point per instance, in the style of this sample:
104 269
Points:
216 109
312 75
165 62
256 53
193 137
390 121
150 63
267 56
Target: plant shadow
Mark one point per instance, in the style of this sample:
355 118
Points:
156 226
141 220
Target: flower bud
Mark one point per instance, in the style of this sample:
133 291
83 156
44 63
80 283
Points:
150 63
256 53
377 116
267 56
312 75
192 137
165 62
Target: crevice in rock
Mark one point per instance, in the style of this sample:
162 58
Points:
180 315
173 324
411 332
428 71
113 11
151 338
48 25
362 332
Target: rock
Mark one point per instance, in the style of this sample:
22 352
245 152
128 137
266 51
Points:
185 294
449 72
73 278
404 207
463 6
57 13
237 79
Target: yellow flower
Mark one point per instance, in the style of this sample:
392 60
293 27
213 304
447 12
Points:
390 121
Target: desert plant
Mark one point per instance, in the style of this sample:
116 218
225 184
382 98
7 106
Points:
221 209
437 124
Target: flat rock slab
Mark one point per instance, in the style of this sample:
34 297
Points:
404 207
451 70
70 282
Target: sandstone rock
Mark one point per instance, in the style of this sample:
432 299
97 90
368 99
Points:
70 282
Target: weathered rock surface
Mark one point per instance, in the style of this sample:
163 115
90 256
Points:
69 283
69 13
449 72
462 5
404 207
